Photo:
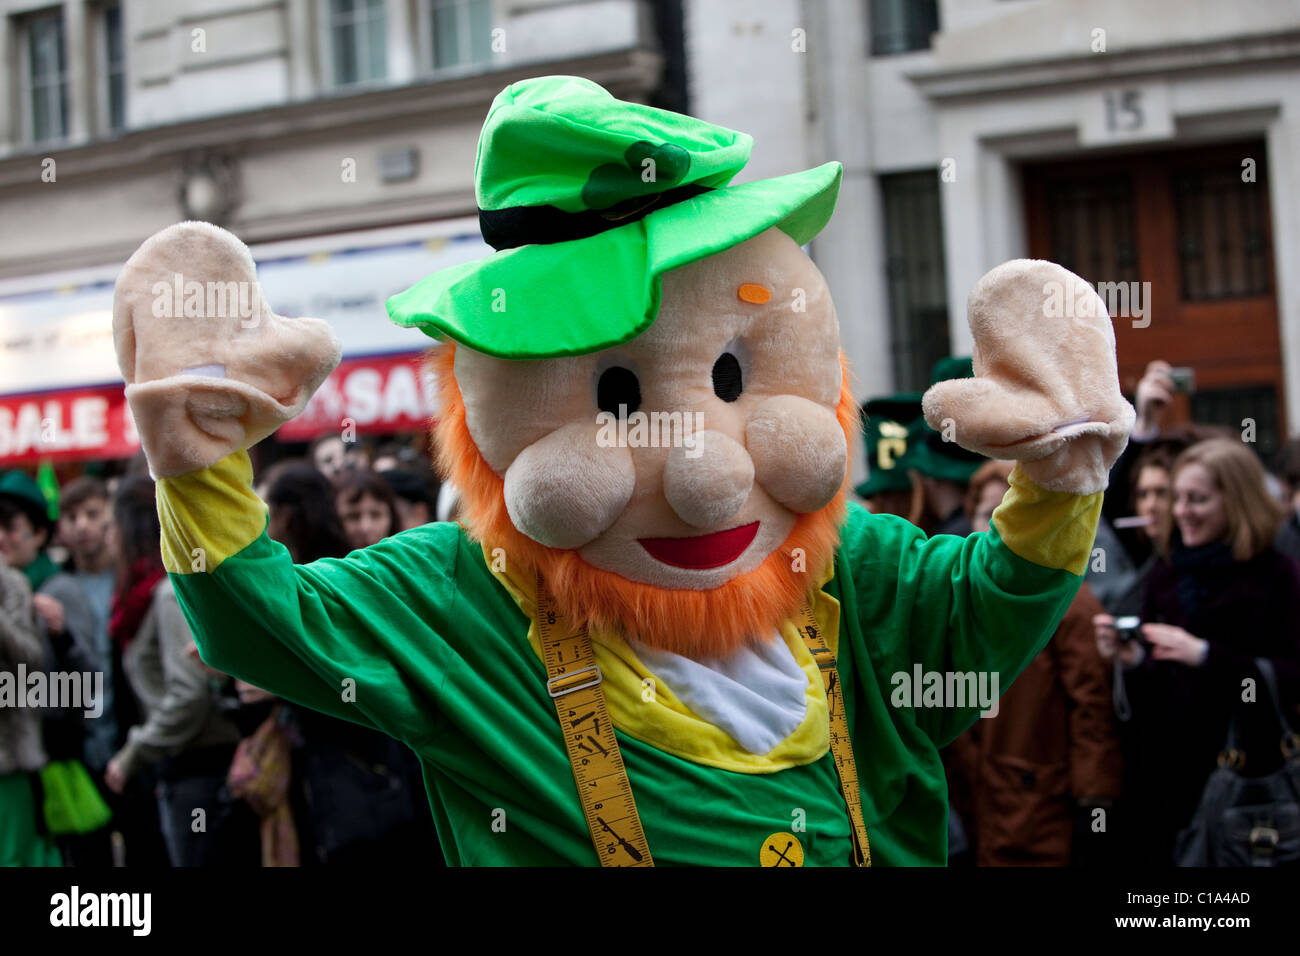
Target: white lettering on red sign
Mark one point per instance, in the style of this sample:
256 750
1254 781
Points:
362 392
402 396
384 392
54 426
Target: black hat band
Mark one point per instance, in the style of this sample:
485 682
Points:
541 225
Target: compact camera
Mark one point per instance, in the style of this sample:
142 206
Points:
1129 628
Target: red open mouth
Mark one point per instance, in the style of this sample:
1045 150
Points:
702 551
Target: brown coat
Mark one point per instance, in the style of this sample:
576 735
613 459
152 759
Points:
1017 778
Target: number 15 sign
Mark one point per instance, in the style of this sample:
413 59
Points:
1126 114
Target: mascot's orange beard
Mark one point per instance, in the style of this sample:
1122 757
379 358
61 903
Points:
696 624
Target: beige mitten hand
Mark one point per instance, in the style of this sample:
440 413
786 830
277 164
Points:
210 369
1046 390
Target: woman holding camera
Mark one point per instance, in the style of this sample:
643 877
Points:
1222 597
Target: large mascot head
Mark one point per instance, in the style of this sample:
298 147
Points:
643 396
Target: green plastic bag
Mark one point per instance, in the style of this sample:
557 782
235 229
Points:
72 801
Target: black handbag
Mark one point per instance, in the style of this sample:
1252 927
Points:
1248 821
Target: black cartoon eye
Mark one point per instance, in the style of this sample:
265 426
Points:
727 384
618 386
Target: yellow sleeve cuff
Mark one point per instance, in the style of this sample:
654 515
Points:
209 515
1053 529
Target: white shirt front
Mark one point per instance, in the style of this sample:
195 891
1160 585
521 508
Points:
757 694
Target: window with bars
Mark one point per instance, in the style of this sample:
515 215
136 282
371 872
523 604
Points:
916 274
900 26
357 41
1222 238
46 77
114 69
1229 407
462 33
1092 223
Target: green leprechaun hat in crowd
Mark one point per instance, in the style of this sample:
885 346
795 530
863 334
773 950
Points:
891 425
21 491
588 200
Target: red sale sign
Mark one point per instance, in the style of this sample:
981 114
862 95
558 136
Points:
384 393
79 423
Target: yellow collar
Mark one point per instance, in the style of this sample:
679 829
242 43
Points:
643 707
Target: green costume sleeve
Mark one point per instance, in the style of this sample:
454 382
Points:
358 638
981 606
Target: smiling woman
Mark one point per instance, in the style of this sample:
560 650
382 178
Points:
1221 599
1220 495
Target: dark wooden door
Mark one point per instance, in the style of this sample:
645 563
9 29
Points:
1194 225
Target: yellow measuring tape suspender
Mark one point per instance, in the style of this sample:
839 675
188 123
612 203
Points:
841 744
573 681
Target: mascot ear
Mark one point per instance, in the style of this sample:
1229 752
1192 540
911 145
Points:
209 368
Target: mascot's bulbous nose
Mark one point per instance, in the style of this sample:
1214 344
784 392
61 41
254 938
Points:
709 482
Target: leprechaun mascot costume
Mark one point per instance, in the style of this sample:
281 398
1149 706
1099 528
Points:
634 651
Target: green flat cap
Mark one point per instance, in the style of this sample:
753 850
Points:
952 366
588 200
25 493
890 427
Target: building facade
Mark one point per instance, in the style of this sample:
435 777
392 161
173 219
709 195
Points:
1143 145
335 137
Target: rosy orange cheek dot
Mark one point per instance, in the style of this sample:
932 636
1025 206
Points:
752 292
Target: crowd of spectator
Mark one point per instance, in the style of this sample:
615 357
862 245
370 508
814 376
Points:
1192 594
1180 654
172 763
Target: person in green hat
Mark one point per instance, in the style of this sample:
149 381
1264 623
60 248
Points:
22 840
891 425
65 622
660 633
944 467
26 527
